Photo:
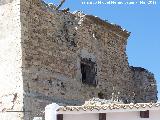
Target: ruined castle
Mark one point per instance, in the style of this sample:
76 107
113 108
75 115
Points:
55 56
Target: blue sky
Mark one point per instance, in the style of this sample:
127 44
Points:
143 21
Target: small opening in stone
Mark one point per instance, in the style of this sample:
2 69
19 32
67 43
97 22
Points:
100 95
88 72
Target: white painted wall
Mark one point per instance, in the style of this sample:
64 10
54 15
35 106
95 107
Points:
11 82
124 116
154 115
91 116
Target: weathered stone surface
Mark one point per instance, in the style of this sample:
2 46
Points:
47 47
145 85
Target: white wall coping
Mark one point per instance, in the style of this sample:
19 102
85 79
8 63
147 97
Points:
107 108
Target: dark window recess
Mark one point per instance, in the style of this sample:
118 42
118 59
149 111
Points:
102 116
100 95
144 114
60 117
88 72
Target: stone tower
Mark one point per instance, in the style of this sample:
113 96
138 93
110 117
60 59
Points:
54 56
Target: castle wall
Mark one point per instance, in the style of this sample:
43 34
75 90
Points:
11 84
54 43
41 55
145 85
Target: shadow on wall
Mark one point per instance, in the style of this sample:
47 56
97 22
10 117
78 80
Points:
3 2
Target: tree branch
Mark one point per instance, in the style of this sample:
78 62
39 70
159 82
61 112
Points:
62 2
